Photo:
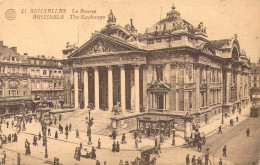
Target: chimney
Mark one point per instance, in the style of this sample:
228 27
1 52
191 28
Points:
1 44
14 49
131 22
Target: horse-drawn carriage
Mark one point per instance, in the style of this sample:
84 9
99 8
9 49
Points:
196 138
145 159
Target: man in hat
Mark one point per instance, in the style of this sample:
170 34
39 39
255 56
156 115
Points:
187 159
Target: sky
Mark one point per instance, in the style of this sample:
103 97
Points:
223 19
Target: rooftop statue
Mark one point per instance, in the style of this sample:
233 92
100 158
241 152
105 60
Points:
111 17
201 28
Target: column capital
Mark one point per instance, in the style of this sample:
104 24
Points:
144 66
95 67
136 66
121 66
109 67
76 69
85 68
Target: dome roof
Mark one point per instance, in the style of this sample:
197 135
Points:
173 22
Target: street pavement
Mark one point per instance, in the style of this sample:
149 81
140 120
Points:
238 153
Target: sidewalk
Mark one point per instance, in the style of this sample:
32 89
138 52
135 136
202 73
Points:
215 121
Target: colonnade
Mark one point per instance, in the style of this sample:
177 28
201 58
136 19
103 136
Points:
97 78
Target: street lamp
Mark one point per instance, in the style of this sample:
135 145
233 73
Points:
90 123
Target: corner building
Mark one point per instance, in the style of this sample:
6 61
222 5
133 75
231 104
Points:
25 81
172 68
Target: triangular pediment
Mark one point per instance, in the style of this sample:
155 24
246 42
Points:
103 44
158 85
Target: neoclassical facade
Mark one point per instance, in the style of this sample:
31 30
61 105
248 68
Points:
171 68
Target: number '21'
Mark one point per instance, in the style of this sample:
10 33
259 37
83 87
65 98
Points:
23 11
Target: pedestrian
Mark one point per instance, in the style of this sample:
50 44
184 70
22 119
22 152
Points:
199 161
135 134
140 138
136 143
207 156
247 132
114 147
93 152
105 163
66 134
220 162
39 136
117 147
12 123
77 133
123 139
114 135
46 152
155 143
237 118
60 117
7 124
56 134
193 160
220 130
49 132
173 141
159 147
225 151
97 162
70 126
126 163
121 162
18 159
199 146
99 144
187 159
55 120
4 157
66 127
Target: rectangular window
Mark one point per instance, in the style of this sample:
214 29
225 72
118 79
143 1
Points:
37 72
25 83
24 70
13 58
13 69
44 72
159 74
150 42
1 93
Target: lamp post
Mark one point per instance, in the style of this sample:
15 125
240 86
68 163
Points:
89 122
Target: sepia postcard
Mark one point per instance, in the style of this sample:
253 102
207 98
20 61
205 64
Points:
129 82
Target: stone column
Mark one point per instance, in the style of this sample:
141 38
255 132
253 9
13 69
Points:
145 98
238 86
228 81
86 88
76 89
110 87
122 86
208 86
197 87
137 89
167 69
96 74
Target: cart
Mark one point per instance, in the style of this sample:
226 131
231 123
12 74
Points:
146 152
195 138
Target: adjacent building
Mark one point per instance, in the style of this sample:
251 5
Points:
172 68
26 80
